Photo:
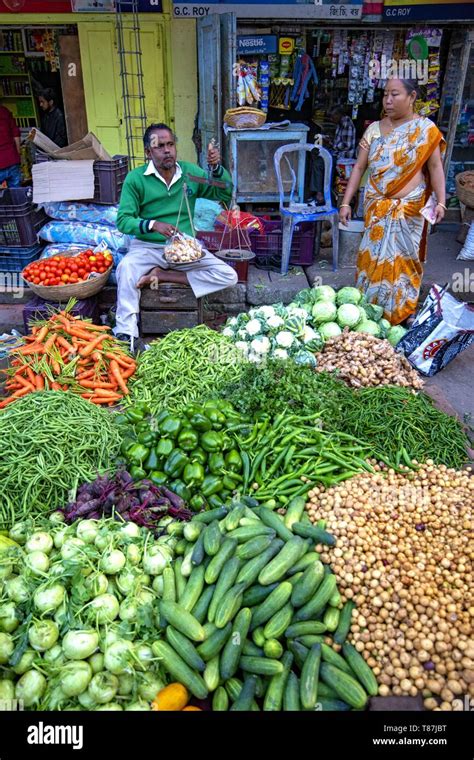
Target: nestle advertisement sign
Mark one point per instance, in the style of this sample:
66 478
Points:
249 44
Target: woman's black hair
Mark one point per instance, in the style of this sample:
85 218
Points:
154 128
410 86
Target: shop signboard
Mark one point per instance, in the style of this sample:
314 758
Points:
35 6
427 10
93 6
249 44
345 10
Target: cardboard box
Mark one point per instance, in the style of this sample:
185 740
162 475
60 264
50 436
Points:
89 148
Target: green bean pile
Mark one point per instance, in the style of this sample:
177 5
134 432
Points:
401 425
185 366
50 442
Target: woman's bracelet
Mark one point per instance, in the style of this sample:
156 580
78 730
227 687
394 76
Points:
346 205
442 206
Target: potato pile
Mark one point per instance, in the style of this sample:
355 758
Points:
364 360
405 554
183 250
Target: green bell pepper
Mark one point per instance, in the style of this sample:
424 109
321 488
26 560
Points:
198 455
134 415
158 478
225 407
121 419
126 444
137 473
148 438
216 417
175 463
198 502
158 418
229 484
170 427
233 461
137 453
152 462
215 501
216 463
165 447
188 440
192 408
212 441
193 474
211 485
200 422
181 489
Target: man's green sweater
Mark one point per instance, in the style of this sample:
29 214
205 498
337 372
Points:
145 197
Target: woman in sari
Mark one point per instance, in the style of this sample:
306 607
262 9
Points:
403 155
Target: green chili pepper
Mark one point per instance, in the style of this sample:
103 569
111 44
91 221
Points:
170 427
200 422
188 440
165 447
212 441
175 463
193 473
158 478
211 485
233 461
199 455
137 453
216 463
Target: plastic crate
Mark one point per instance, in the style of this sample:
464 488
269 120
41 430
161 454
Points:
20 221
109 177
217 239
37 308
268 243
16 259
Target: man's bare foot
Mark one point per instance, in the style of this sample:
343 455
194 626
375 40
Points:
152 278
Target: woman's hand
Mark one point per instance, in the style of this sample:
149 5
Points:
439 213
345 214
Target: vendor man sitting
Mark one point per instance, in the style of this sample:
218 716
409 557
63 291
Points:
149 207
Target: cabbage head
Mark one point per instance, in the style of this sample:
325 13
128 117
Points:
324 311
348 315
348 295
395 334
373 311
324 293
329 330
369 326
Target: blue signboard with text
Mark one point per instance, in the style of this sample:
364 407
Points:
341 10
249 44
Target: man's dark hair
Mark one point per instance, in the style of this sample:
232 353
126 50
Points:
49 94
155 128
337 111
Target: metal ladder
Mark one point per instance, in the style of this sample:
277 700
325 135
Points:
129 48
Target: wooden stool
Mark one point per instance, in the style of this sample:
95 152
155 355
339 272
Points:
169 307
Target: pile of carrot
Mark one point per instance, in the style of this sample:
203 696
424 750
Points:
67 353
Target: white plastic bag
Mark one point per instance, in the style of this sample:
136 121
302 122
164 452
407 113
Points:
442 329
467 252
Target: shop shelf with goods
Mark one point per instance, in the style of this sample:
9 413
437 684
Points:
16 88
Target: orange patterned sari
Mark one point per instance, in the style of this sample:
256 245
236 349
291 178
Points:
393 249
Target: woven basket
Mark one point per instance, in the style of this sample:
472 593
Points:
245 118
465 188
78 290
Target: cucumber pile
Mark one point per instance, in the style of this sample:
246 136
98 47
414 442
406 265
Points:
247 610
